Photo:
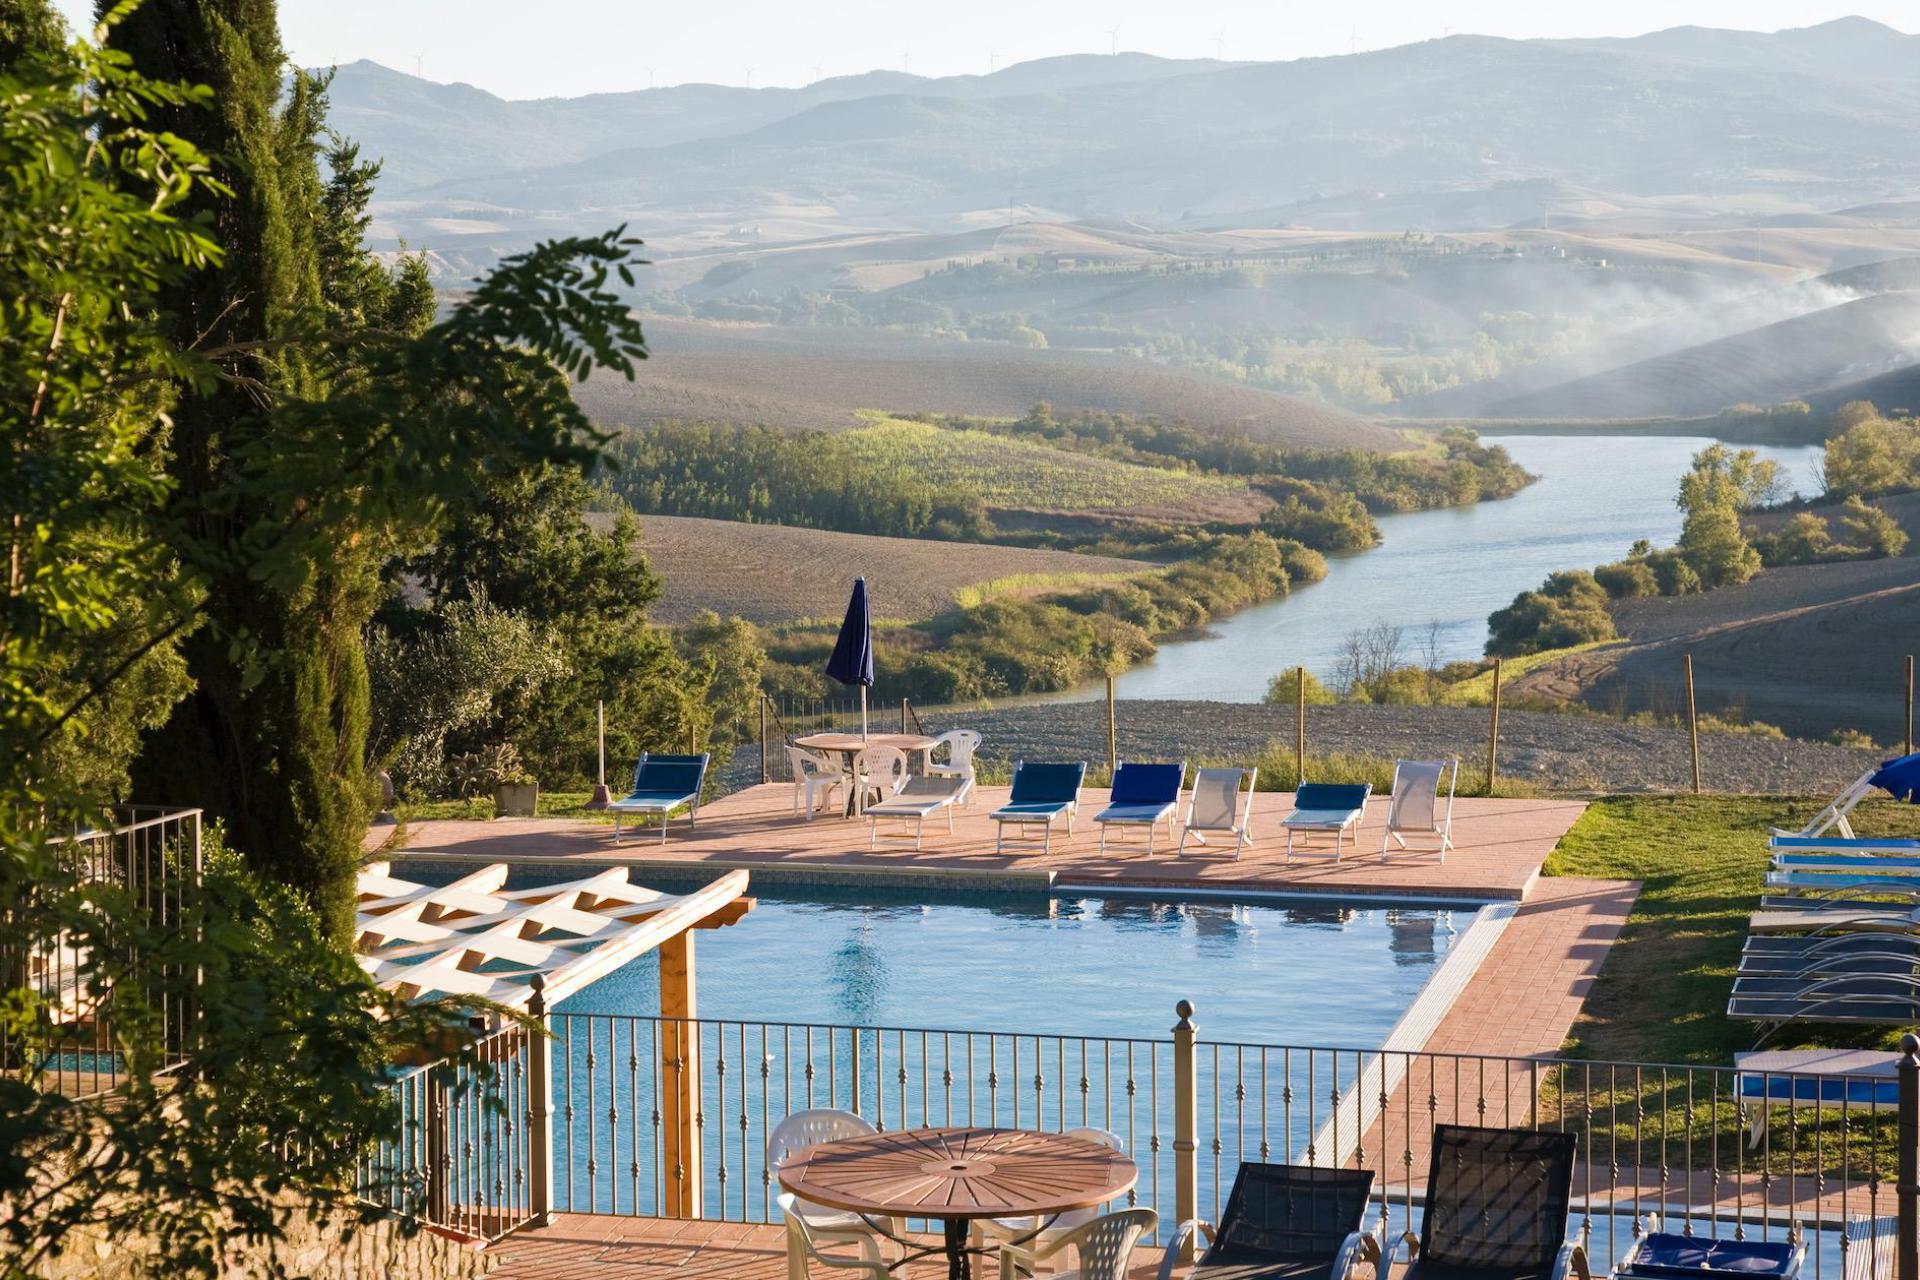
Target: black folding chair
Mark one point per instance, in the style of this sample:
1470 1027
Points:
1284 1222
1497 1204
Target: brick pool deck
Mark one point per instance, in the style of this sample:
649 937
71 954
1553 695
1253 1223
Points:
1499 846
1520 1002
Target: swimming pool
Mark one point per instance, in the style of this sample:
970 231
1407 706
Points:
1293 973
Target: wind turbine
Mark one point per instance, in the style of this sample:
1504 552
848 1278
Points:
1219 46
992 58
1353 42
819 72
749 77
650 71
906 62
417 58
1113 41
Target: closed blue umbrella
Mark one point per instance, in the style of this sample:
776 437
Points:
1900 778
852 660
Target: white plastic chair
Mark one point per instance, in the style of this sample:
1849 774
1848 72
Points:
1217 804
797 1132
803 1248
879 773
1024 1230
1415 808
812 775
1103 1248
960 745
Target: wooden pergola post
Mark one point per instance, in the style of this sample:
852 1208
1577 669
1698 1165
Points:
679 1080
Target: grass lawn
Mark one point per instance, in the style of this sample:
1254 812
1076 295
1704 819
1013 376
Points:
1662 993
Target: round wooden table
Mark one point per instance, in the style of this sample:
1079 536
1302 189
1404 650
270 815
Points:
849 745
958 1176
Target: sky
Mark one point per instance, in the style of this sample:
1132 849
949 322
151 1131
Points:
519 49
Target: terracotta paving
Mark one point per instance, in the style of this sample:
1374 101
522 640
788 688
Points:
579 1247
1499 846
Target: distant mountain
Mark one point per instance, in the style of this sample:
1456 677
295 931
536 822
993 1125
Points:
1821 115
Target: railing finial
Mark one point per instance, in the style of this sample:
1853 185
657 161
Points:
1183 1010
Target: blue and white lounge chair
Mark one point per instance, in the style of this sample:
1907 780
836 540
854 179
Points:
1813 1078
1327 806
662 784
1665 1255
1144 795
1899 778
1041 793
1842 846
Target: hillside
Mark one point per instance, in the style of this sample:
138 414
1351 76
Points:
774 573
824 377
1187 141
1780 361
1811 648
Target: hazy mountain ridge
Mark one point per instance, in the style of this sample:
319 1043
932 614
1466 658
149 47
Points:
1133 134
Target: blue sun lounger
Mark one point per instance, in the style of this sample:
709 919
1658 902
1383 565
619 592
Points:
1041 793
1143 795
1327 806
662 784
1844 846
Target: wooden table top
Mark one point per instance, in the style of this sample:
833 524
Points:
959 1174
854 742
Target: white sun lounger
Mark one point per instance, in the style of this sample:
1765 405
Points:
919 800
1218 805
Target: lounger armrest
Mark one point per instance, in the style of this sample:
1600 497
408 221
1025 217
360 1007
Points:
1186 1232
1571 1263
1359 1246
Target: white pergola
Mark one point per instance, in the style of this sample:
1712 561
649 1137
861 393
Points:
474 937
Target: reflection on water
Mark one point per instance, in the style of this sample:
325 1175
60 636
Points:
1452 568
1300 973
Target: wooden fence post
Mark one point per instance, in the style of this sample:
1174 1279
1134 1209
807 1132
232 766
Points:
1493 732
1186 1112
1693 725
1299 726
683 1171
693 739
765 773
903 717
1909 748
1113 737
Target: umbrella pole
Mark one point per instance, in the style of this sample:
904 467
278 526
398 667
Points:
601 796
863 713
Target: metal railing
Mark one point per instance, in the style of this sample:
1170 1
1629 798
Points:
152 854
655 1116
471 1137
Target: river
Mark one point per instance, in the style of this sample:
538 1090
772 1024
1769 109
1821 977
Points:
1595 496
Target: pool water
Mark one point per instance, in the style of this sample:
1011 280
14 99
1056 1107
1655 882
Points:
1310 973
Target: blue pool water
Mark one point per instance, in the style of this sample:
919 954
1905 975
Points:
1293 974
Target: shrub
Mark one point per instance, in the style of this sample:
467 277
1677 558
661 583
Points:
1870 529
1284 690
1674 574
1625 579
1870 454
1570 608
1802 540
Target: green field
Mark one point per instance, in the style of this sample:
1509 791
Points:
1024 475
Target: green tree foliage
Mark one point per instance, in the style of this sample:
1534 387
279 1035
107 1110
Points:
1720 485
1870 529
1804 539
1321 518
304 453
756 474
1284 690
1569 608
289 1038
1625 579
1871 455
444 680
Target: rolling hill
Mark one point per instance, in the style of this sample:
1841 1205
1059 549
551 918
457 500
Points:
1791 358
823 377
772 574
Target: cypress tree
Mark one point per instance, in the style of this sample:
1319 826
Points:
272 738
